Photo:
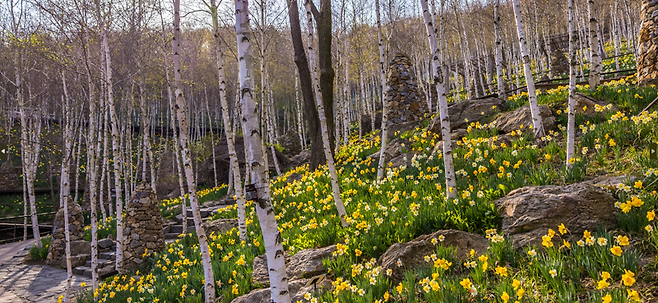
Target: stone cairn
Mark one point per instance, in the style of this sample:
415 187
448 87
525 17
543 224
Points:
407 102
647 62
57 249
142 228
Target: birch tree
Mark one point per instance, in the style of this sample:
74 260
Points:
233 157
499 52
596 65
537 125
252 136
323 120
181 113
573 69
451 183
385 103
64 189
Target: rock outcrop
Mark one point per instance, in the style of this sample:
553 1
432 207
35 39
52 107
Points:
512 121
401 257
297 289
529 212
647 61
142 228
290 143
219 226
467 111
394 149
304 264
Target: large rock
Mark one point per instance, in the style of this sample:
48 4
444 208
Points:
219 226
296 288
647 61
56 251
302 158
366 122
304 264
467 111
411 254
291 143
406 102
529 212
586 105
393 149
512 121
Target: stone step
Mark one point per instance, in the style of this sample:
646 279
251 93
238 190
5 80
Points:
101 262
205 212
171 236
178 229
108 256
82 271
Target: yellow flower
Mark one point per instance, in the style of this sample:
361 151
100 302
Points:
651 215
502 271
519 293
516 283
466 283
607 298
562 229
605 275
357 252
505 297
602 284
616 250
638 184
633 295
83 284
622 240
628 278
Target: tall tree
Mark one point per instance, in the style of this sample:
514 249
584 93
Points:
310 109
538 126
596 65
384 90
276 262
451 183
573 69
323 121
182 115
499 52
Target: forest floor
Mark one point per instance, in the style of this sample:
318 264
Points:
21 282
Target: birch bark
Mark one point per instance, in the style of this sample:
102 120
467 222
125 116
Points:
233 158
323 120
451 184
595 58
538 126
385 104
181 111
573 69
499 52
252 136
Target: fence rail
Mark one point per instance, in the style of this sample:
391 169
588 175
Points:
10 225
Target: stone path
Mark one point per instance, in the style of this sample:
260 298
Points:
30 283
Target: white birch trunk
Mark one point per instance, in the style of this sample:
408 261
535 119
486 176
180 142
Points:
538 126
573 68
271 235
181 110
596 65
233 157
64 191
499 52
381 167
451 183
312 61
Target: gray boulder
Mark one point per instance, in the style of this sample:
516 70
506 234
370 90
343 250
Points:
529 212
512 121
479 110
304 264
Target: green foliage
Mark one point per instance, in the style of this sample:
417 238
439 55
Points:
40 253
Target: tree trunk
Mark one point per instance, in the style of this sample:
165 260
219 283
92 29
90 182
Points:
64 191
310 109
451 184
537 124
499 53
385 103
181 109
595 58
573 68
234 166
252 137
323 121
